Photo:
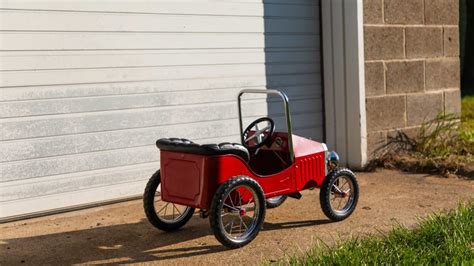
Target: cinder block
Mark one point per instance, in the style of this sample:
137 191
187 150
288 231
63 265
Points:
452 102
375 140
442 73
442 12
423 107
383 42
424 42
385 112
374 79
403 11
373 12
405 77
451 41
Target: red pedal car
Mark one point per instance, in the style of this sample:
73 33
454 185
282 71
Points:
233 184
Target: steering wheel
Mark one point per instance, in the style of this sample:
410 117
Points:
262 130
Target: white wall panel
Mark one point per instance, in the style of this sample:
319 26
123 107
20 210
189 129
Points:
87 87
137 87
44 60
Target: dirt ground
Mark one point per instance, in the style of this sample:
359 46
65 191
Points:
119 233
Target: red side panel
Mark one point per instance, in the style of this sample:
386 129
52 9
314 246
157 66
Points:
182 177
192 180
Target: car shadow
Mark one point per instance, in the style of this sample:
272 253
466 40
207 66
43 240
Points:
122 243
295 224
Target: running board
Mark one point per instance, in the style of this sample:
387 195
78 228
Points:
295 195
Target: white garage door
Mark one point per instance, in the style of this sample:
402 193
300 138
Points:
87 87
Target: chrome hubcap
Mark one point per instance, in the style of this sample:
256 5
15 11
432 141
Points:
342 194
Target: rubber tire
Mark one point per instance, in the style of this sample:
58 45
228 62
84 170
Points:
271 205
325 193
148 205
218 198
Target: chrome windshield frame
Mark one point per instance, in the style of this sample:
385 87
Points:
287 113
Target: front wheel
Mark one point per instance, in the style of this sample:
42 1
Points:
339 194
163 215
237 211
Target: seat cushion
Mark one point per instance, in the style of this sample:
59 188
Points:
187 146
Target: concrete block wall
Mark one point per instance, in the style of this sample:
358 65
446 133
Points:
412 64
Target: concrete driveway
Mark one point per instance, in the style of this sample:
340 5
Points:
119 233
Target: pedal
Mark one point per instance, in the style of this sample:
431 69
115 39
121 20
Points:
295 195
203 213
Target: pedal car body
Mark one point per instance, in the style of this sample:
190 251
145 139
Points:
191 173
234 183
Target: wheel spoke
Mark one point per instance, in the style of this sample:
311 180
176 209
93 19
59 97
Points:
240 225
338 190
339 204
231 201
230 207
249 202
231 227
225 226
344 185
162 208
177 210
243 222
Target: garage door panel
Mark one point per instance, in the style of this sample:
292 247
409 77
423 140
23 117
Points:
134 101
73 76
200 7
133 87
40 187
24 208
114 59
33 41
109 140
112 22
23 170
78 76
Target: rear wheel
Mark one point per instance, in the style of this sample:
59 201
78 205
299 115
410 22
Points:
275 201
163 215
237 211
339 194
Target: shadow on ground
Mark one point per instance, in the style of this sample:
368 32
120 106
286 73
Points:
123 243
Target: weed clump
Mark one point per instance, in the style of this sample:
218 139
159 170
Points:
442 146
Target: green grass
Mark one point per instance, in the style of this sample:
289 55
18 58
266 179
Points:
467 117
444 136
439 239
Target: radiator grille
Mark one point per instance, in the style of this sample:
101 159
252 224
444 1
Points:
310 168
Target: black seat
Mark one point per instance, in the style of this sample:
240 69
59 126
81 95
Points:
187 146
